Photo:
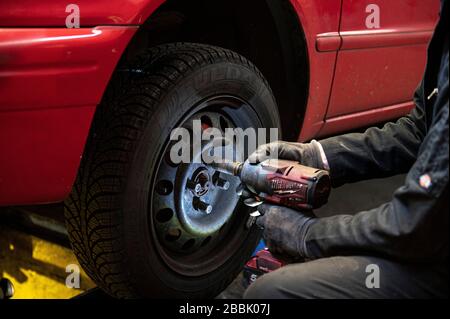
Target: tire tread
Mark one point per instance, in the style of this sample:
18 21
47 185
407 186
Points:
93 210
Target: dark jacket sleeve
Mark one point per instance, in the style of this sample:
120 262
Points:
379 152
414 225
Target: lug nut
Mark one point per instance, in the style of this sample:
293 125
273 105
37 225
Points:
196 187
222 183
204 207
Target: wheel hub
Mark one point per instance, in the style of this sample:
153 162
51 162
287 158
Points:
200 182
193 202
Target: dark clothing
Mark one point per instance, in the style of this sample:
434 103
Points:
407 238
414 225
345 277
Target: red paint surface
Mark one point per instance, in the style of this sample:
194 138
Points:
40 152
347 122
317 18
46 68
51 80
331 41
42 13
381 67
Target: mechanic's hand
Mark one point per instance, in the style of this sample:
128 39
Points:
306 154
284 230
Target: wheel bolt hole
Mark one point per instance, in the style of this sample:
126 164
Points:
173 235
189 244
164 215
164 187
206 241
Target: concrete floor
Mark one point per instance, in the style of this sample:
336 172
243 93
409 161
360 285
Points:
34 250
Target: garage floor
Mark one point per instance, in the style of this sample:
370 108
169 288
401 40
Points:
34 250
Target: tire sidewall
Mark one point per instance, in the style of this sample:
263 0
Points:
146 266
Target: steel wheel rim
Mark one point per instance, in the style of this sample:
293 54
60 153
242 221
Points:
185 241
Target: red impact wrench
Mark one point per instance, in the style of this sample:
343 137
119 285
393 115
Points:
281 182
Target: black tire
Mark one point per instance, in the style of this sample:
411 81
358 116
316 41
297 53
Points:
107 213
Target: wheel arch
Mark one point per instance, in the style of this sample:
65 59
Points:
269 33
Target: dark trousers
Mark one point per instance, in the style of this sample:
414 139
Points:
346 277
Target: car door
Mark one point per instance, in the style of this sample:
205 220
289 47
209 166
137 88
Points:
381 59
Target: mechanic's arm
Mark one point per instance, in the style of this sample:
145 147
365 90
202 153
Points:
379 152
411 226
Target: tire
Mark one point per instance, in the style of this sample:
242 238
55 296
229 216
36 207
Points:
110 214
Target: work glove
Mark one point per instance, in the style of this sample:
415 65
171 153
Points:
308 154
284 231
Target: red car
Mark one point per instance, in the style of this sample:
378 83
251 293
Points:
89 93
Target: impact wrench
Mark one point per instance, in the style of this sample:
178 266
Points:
279 182
283 183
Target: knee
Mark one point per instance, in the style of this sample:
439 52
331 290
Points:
265 287
285 283
323 278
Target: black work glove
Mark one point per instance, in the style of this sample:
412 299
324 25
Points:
306 154
285 230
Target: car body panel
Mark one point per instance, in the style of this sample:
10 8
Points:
321 64
52 13
58 67
40 152
381 67
376 70
52 79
